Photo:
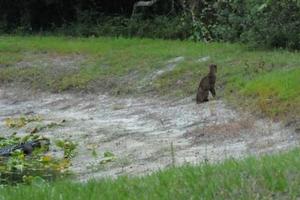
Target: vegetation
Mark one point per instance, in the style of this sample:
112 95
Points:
19 168
263 23
16 167
276 92
269 177
100 59
267 80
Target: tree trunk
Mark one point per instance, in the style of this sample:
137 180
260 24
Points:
142 4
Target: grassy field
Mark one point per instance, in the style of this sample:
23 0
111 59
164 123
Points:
266 80
269 177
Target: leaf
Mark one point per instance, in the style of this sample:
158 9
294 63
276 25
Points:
107 159
262 7
94 153
108 154
46 159
36 168
20 122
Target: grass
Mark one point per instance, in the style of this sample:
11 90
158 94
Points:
121 66
261 80
267 80
268 177
277 92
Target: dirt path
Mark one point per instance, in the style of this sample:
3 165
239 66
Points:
140 131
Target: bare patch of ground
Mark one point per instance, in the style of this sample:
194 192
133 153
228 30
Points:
140 131
53 61
170 66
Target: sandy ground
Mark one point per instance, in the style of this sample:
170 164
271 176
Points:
145 134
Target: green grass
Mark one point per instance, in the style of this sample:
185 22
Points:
268 177
267 80
276 92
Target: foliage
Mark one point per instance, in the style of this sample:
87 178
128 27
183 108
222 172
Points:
276 24
262 23
38 166
19 168
267 177
169 28
108 157
20 121
68 147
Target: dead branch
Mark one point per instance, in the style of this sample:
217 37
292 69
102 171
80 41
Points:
142 4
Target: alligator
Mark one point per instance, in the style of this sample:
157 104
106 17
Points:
26 147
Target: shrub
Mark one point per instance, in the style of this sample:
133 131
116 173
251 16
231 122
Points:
276 24
263 23
271 24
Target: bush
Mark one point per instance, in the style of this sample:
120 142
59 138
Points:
276 24
271 24
156 27
263 23
233 19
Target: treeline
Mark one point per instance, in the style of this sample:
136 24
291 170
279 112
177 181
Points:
264 23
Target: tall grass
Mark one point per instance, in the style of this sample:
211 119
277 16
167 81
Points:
268 177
